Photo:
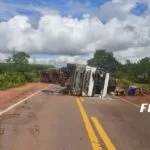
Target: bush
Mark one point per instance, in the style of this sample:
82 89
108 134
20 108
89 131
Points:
32 76
14 79
142 80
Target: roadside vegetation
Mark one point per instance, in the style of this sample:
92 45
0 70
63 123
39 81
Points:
17 71
137 73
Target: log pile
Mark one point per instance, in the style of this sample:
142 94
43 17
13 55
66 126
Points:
60 76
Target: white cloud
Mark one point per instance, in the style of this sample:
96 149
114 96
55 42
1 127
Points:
122 33
115 8
66 35
3 57
133 54
60 60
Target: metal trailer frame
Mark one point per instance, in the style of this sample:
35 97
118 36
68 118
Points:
77 81
104 93
85 81
88 81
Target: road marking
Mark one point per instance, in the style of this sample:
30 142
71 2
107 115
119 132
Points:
103 134
94 141
127 102
82 99
20 102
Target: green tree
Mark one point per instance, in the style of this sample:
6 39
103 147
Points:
138 71
18 62
105 60
128 62
20 58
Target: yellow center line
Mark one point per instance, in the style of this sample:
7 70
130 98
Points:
103 134
94 141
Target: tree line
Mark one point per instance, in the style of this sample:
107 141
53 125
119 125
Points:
137 72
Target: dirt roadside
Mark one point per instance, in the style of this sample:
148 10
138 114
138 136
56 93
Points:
13 95
138 100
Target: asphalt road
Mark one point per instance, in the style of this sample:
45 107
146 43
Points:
127 128
49 121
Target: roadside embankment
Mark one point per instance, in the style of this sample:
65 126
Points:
13 95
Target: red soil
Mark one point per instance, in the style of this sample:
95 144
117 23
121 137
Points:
137 99
15 94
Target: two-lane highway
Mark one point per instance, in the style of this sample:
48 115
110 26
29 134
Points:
56 122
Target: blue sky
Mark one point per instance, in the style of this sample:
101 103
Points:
34 9
139 9
54 2
65 7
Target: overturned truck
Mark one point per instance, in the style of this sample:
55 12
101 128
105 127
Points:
80 80
90 81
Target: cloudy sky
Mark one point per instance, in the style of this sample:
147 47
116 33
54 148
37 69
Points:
61 31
